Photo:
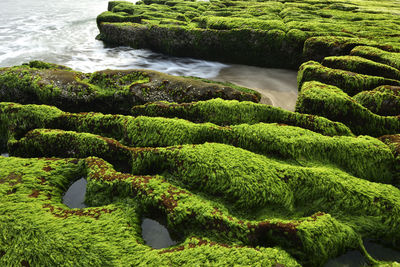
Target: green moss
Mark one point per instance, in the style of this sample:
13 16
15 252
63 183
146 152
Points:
376 54
363 66
228 84
224 112
59 235
210 29
331 102
372 160
312 239
393 141
316 48
45 65
350 82
384 100
111 91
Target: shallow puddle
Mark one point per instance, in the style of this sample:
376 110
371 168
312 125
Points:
355 258
156 235
75 195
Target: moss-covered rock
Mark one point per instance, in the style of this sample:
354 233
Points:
38 230
247 194
350 82
313 212
371 160
358 90
319 47
225 112
384 100
265 33
393 141
331 102
111 91
361 65
379 55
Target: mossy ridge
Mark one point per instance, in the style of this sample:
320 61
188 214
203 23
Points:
350 82
112 91
319 47
182 206
225 112
371 160
347 190
174 27
200 168
331 102
393 141
361 65
59 234
353 90
384 100
185 208
378 55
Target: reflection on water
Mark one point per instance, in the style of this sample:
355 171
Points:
64 32
277 86
5 154
75 195
156 235
355 258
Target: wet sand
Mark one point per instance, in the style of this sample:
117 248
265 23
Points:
278 87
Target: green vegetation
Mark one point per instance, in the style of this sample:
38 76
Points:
384 100
111 91
53 234
224 112
265 33
350 82
384 57
360 90
331 102
241 182
313 212
298 193
365 157
361 65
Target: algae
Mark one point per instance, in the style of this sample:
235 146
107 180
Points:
111 91
264 33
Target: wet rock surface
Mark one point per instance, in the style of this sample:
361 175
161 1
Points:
264 33
110 91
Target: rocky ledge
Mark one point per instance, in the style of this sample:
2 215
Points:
360 90
111 91
264 33
246 194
